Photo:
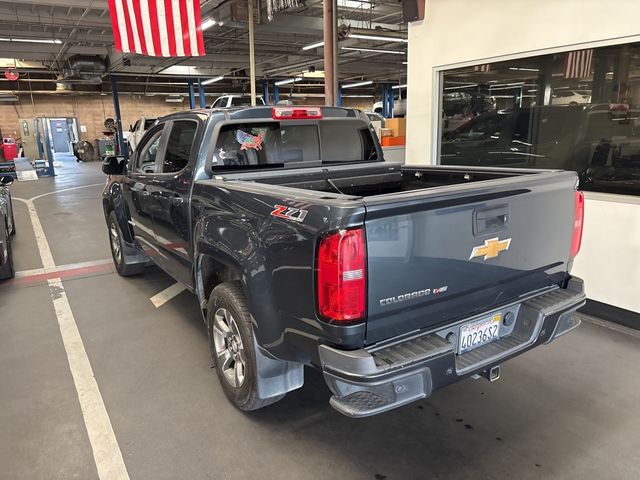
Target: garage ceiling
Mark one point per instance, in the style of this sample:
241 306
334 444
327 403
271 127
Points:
76 27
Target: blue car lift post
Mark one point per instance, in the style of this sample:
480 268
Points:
202 94
192 94
116 106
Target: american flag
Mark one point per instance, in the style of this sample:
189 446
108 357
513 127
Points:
484 68
577 64
159 28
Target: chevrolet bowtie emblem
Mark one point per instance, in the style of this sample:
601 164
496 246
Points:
491 248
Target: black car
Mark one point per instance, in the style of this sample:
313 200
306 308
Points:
7 228
305 248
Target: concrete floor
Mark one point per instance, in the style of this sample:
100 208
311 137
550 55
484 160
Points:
570 410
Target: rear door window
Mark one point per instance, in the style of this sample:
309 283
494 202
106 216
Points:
145 160
256 144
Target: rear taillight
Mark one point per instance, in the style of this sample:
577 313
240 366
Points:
578 222
341 276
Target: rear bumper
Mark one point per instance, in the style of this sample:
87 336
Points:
373 380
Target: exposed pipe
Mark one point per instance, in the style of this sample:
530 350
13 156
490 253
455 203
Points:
329 52
252 55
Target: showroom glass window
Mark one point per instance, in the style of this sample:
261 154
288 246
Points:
576 110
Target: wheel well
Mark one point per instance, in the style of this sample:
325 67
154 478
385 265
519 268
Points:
107 206
212 273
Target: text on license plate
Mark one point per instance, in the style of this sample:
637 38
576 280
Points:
480 332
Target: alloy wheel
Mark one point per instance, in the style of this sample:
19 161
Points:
229 347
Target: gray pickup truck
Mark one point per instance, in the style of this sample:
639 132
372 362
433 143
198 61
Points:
306 249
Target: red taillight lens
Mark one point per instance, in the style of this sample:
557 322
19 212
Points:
578 222
341 276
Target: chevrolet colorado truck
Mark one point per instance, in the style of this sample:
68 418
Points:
7 228
306 249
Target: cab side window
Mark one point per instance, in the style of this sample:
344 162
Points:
145 161
179 145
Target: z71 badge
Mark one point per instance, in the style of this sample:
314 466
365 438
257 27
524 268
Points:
289 213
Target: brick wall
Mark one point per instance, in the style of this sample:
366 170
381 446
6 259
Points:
89 110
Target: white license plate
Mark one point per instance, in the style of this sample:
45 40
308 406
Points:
480 332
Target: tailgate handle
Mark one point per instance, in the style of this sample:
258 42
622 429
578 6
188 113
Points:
488 220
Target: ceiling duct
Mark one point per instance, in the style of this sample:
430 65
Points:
84 69
8 98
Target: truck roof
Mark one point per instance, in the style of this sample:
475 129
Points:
265 111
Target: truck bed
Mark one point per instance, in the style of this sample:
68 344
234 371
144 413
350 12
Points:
376 178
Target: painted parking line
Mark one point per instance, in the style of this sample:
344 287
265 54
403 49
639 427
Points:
104 445
41 275
167 294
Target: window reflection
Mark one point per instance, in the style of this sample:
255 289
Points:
576 110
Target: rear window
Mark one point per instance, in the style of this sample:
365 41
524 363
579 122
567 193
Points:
254 144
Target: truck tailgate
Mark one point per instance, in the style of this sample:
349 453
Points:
441 254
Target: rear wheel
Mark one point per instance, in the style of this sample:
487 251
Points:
7 271
232 347
116 242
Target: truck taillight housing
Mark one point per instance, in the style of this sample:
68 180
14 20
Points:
296 113
578 223
341 276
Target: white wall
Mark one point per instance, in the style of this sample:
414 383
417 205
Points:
609 260
467 32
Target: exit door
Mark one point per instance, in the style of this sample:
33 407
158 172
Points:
29 138
60 135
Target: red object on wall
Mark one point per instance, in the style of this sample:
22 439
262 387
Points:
12 74
158 28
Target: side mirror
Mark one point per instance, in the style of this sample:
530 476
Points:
130 128
6 180
113 165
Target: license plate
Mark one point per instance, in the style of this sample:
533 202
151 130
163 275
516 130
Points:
480 332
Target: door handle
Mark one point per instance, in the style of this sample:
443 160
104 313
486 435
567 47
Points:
177 201
491 219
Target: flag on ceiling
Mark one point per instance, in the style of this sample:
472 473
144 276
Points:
577 64
482 68
159 28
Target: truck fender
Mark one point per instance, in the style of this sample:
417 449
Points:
113 201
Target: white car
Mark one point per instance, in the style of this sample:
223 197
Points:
228 101
569 97
136 131
399 107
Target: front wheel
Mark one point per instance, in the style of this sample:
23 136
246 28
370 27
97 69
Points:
232 347
116 242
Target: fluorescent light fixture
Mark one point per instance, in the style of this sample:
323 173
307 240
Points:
208 23
289 80
54 41
357 96
311 46
212 80
398 87
354 3
174 100
524 69
358 84
372 50
363 36
405 63
458 87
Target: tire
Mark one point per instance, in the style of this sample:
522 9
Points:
232 347
13 221
116 243
7 271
